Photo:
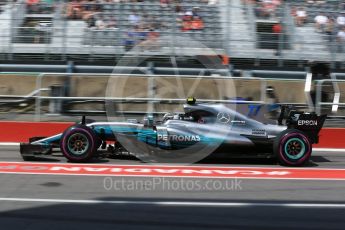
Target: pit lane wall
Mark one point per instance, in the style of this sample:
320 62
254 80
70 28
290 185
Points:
22 131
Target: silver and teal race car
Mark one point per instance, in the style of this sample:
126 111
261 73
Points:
202 130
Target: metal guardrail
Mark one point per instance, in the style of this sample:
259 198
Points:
39 98
336 99
20 99
263 82
319 104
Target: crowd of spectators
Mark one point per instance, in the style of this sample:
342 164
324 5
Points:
331 23
40 6
79 9
300 15
5 4
190 20
143 26
265 9
146 28
335 31
166 3
91 12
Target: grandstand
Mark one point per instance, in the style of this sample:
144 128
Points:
106 30
163 21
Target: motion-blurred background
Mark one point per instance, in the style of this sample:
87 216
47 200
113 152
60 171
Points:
57 56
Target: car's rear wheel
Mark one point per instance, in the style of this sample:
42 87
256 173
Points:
79 143
293 148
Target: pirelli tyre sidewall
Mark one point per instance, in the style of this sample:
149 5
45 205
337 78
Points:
292 148
79 143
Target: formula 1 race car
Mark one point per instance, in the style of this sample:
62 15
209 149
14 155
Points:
202 129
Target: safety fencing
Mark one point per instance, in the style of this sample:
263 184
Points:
141 94
337 102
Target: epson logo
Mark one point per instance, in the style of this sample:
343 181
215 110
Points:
178 138
296 117
307 122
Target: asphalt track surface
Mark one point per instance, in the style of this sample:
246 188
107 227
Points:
94 202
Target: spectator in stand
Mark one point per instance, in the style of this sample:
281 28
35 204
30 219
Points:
141 33
330 29
195 12
341 40
89 10
164 3
179 13
100 24
74 9
32 5
130 39
88 5
134 37
316 2
261 10
134 18
187 21
91 21
301 16
197 23
111 23
151 42
293 12
341 20
320 22
156 24
212 2
192 20
267 8
277 30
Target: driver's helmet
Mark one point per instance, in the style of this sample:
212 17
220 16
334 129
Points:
148 121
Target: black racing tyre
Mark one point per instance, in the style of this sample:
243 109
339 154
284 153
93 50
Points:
292 148
79 143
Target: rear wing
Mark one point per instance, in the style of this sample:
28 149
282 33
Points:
309 123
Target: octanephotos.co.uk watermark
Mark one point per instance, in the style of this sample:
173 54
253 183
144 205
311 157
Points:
171 184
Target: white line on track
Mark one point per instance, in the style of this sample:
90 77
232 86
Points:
327 150
9 144
177 203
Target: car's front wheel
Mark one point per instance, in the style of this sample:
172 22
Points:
79 143
292 148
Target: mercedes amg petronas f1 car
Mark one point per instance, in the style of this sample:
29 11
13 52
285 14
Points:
202 129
